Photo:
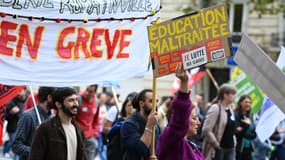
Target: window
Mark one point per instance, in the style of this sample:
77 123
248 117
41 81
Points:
238 14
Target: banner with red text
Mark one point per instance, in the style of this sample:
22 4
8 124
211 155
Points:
63 43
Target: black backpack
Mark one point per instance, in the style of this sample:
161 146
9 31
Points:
114 142
114 150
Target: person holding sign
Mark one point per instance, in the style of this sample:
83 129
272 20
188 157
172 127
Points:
184 122
136 132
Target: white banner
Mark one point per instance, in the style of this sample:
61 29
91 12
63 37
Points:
79 9
270 115
57 52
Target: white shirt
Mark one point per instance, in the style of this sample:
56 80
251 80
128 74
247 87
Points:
71 140
112 114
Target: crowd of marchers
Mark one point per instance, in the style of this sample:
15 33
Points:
62 124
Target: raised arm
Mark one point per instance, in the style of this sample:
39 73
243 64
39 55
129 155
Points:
183 76
179 122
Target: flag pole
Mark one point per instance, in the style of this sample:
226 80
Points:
212 79
35 105
152 145
115 96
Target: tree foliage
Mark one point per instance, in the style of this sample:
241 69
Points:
261 7
267 7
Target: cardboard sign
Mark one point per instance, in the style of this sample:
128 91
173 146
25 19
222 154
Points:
245 85
193 39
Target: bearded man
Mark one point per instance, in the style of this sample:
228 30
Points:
29 121
136 132
60 138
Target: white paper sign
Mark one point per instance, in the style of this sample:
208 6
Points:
194 58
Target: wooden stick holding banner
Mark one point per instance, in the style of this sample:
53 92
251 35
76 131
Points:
115 96
35 105
152 146
212 79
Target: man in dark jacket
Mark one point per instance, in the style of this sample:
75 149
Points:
136 132
60 138
29 121
13 112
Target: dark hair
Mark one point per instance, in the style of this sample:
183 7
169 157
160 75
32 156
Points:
225 89
140 97
242 98
129 98
108 93
95 86
61 93
44 92
99 94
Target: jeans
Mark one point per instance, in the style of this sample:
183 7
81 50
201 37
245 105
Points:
91 144
225 154
102 149
8 145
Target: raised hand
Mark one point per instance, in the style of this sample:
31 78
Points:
181 73
183 76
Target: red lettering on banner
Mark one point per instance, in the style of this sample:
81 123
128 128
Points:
111 45
65 51
24 36
82 41
124 44
5 37
114 44
95 42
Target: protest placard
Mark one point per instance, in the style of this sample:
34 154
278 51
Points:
262 70
245 86
193 39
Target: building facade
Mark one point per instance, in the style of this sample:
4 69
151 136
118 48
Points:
267 31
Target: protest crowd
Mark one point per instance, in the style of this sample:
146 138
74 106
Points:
81 50
89 125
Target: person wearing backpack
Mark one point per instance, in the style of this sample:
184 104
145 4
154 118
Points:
219 127
114 144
